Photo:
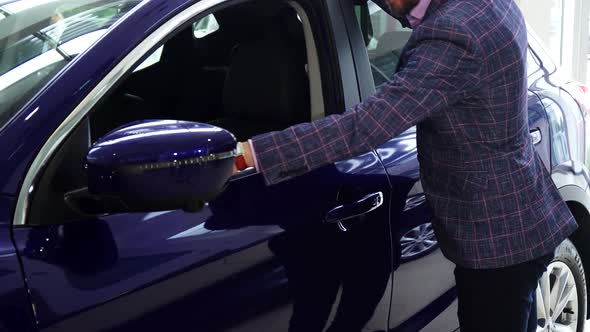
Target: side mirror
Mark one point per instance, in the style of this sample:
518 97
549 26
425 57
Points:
161 165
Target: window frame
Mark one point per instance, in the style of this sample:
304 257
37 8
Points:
118 74
362 64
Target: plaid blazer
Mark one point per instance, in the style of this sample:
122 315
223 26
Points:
462 81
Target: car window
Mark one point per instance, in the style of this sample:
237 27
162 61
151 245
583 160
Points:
384 37
39 37
201 28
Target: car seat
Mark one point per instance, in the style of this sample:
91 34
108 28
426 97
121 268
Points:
266 87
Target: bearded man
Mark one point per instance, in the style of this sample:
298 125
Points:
462 81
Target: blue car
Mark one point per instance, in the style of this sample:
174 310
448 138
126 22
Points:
118 211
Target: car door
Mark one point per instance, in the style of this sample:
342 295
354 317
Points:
15 314
256 258
424 297
545 81
540 106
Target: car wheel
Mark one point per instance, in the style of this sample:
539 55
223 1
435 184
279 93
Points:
418 242
561 295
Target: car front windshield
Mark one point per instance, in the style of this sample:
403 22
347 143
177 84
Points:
39 37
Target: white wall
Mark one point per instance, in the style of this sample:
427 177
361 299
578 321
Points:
562 26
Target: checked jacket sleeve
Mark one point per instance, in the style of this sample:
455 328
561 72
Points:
442 64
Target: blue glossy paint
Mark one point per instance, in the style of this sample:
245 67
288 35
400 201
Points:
561 152
16 314
399 155
254 258
80 265
145 142
538 121
161 165
75 267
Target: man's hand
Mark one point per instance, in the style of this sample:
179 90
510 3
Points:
248 156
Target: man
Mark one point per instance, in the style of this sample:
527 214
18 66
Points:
462 81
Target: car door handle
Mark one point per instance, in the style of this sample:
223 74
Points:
355 209
536 136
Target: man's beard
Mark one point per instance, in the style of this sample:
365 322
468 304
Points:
401 8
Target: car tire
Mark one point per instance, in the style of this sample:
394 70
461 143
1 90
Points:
565 269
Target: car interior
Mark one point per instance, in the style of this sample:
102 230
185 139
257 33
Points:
385 58
250 74
248 77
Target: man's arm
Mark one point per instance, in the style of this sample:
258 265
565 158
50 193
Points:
443 68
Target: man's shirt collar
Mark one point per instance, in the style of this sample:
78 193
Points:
416 16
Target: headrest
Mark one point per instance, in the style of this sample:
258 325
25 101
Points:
267 81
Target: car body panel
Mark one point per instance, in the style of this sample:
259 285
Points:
229 266
16 312
79 269
77 266
538 122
